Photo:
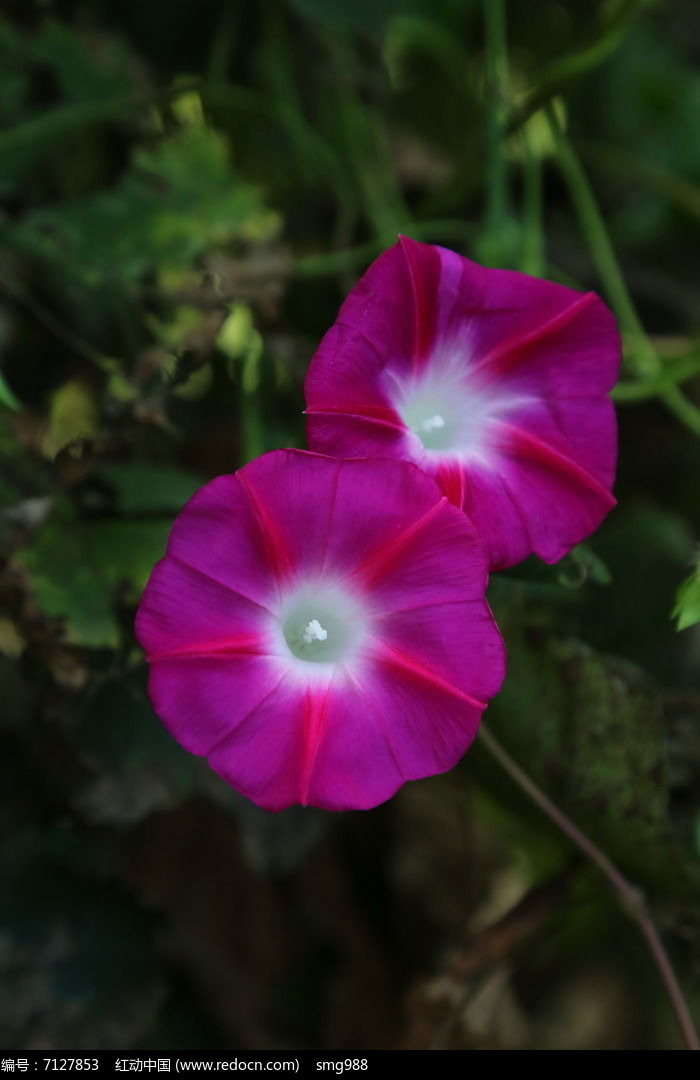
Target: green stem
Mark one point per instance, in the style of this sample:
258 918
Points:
674 373
593 228
223 43
612 31
496 76
639 352
67 119
532 255
677 403
337 261
630 897
682 193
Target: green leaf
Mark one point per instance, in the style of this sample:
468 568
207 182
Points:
91 83
142 489
67 583
687 609
126 551
73 415
7 398
239 340
82 71
176 201
76 566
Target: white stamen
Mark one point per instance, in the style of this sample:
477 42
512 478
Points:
314 632
432 423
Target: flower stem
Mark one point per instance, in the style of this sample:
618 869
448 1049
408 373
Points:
532 254
595 231
640 349
673 373
496 75
453 230
630 897
54 124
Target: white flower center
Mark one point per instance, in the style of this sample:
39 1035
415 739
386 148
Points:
432 423
321 624
446 406
444 418
314 632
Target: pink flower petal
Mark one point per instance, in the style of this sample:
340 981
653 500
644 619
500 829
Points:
203 700
441 639
219 533
435 359
219 621
558 502
377 504
393 725
435 558
392 304
356 766
489 498
372 656
269 756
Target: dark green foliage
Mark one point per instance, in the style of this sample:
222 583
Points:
75 567
590 730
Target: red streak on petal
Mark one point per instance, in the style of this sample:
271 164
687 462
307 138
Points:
391 418
240 725
421 302
275 545
314 716
399 661
507 354
215 581
248 645
450 477
518 443
378 562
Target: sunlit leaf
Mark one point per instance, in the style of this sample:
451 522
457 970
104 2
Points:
73 415
175 201
239 340
7 398
687 609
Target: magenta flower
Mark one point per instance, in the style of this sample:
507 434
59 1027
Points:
493 382
318 630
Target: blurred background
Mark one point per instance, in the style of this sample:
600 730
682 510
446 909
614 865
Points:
187 191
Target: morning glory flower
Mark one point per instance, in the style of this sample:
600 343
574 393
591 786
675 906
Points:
493 382
318 630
